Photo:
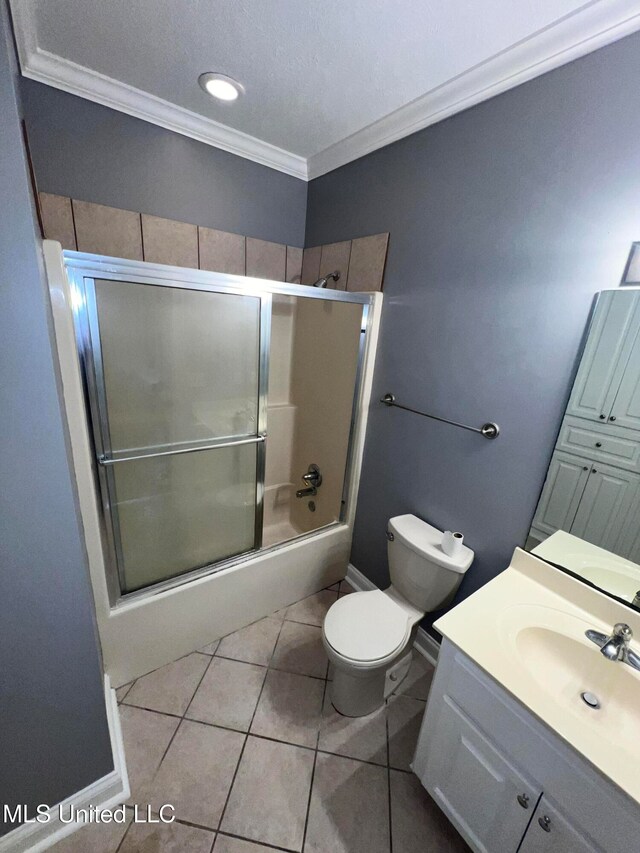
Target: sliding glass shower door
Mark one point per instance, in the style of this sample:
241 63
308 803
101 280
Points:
177 379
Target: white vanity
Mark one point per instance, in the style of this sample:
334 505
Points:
509 749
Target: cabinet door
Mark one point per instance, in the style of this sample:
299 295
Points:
551 832
605 504
483 794
629 544
561 493
626 407
611 336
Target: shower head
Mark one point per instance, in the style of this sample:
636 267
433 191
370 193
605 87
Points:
322 282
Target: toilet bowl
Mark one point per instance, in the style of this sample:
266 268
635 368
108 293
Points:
368 636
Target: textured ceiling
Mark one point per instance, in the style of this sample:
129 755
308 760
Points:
314 73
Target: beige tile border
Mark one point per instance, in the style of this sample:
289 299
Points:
103 230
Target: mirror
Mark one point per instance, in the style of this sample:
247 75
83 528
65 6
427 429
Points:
588 515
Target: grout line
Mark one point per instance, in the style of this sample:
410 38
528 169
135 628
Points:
173 736
258 843
386 702
131 683
313 769
206 670
246 738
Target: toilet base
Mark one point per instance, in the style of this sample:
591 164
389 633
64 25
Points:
356 694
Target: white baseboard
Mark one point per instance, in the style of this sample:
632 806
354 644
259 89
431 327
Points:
424 643
105 793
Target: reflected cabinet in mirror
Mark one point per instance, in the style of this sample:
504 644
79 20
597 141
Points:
588 515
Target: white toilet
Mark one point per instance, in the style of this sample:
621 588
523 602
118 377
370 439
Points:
368 636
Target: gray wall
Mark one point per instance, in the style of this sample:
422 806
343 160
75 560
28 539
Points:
505 220
53 729
93 153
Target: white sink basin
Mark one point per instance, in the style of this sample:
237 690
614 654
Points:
526 629
564 664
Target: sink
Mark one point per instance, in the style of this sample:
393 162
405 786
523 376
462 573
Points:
562 663
526 630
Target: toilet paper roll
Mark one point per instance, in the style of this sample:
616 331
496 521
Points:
452 543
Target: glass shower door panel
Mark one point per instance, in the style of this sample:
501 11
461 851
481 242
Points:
180 366
183 511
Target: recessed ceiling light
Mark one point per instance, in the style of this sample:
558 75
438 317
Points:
220 86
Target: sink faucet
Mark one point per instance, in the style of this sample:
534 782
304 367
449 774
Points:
616 646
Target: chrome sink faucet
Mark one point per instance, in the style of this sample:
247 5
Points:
616 647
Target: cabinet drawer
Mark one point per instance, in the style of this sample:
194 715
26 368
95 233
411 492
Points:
610 444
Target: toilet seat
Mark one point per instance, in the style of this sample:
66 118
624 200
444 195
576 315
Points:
367 627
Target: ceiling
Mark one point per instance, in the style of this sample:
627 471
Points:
326 82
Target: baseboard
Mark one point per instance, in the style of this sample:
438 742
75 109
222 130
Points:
424 643
105 793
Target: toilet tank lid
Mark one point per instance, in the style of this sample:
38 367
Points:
426 541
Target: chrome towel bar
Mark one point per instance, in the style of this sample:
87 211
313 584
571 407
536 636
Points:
488 430
236 442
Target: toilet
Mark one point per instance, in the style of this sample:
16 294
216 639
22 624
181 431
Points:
368 636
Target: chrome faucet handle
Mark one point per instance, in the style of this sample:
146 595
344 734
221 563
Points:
622 631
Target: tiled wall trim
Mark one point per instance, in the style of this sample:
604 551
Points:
102 230
360 263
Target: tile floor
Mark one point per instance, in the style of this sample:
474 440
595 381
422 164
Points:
241 738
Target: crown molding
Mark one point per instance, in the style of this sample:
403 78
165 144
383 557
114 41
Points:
590 27
61 73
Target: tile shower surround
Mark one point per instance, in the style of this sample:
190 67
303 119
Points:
242 739
101 230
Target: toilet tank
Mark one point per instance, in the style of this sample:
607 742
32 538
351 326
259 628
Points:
420 570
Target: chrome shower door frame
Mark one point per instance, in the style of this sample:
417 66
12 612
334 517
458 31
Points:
82 271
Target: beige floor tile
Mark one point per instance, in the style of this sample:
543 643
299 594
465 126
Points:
290 708
166 838
417 824
405 717
122 691
226 844
356 737
346 588
268 801
313 609
228 694
196 773
170 688
349 810
299 649
280 614
210 648
94 838
335 586
253 644
146 736
418 681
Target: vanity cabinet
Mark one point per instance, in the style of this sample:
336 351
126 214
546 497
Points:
490 797
550 832
506 781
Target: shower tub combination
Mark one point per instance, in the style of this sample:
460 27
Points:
217 425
